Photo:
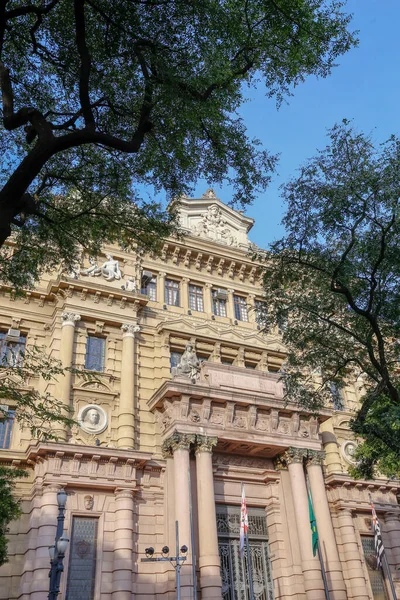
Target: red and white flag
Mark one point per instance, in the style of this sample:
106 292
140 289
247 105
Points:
244 522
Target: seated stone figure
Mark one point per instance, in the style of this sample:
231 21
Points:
189 365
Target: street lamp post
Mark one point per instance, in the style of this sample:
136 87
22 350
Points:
178 559
57 552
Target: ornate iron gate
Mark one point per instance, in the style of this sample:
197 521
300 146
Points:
375 575
234 569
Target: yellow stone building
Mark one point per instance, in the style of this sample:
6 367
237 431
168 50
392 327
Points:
186 406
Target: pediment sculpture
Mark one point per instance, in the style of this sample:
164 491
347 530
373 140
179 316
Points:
189 365
215 227
109 269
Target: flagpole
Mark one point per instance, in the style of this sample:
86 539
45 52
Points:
323 573
251 590
389 575
194 573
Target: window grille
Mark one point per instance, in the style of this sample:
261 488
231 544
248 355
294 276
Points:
219 304
171 295
150 289
260 308
6 430
11 352
375 575
82 559
196 298
95 353
234 569
240 305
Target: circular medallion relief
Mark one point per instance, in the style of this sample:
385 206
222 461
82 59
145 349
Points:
348 450
92 419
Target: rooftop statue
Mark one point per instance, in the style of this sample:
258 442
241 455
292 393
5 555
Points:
109 269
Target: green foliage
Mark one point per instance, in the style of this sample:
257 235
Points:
18 388
102 96
9 506
336 274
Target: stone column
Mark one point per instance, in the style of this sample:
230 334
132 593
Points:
326 534
161 287
122 581
46 533
180 443
63 386
251 311
184 300
209 561
126 416
333 464
392 526
357 585
313 583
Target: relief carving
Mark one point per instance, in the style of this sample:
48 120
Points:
214 227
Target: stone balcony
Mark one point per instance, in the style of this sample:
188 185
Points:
244 408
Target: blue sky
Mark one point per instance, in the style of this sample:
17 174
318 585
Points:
365 87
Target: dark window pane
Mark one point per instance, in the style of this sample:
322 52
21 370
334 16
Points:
11 351
6 430
151 289
82 560
171 292
219 304
175 358
240 308
196 298
95 353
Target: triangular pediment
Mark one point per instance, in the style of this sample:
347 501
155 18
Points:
210 219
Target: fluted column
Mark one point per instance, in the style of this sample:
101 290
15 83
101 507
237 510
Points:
122 585
126 416
46 533
313 583
356 584
326 534
179 444
63 386
209 561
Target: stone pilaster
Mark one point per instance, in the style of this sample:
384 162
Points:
392 523
326 534
63 385
185 292
207 299
126 416
356 584
230 308
122 582
209 561
313 584
161 287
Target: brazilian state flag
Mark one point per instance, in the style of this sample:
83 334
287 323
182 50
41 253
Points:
313 525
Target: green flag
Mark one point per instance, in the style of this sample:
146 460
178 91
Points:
313 525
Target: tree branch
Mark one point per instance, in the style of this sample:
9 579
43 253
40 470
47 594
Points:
86 63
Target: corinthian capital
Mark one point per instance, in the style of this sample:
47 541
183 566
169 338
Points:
69 318
129 329
295 455
205 443
178 441
315 457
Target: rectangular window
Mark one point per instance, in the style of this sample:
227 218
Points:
11 350
150 289
219 304
82 559
171 295
196 298
175 359
95 353
337 396
260 311
6 430
240 308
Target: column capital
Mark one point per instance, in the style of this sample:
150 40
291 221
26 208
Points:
69 318
185 279
391 516
129 329
121 493
280 463
295 455
161 274
205 443
315 457
178 441
208 286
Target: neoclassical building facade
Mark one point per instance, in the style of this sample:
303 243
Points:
185 407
